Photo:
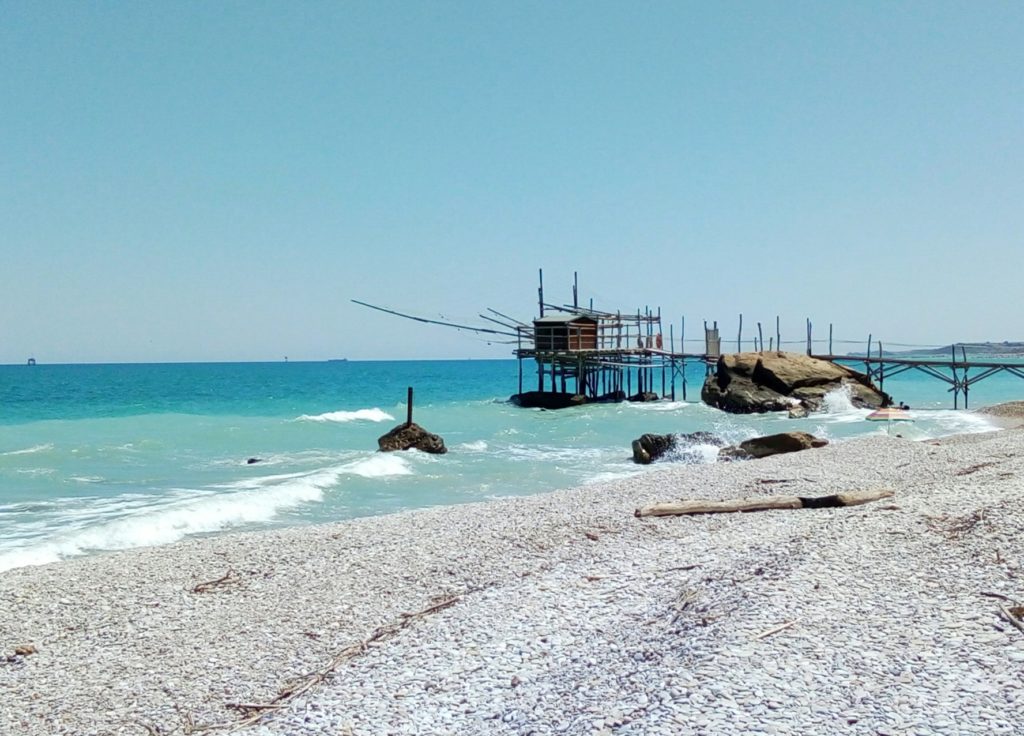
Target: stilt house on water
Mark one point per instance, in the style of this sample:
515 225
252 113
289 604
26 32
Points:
584 355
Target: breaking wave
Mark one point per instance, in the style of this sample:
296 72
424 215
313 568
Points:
366 415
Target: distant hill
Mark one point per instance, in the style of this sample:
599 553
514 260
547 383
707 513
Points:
1004 349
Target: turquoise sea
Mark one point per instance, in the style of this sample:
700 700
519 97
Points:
103 457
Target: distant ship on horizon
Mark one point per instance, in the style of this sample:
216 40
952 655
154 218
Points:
337 360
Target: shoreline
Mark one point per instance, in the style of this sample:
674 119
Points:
564 603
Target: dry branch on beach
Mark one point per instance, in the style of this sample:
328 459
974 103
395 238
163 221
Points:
763 503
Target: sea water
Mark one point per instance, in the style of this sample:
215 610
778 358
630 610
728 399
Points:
104 457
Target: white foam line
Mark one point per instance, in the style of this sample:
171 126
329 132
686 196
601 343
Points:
28 450
367 415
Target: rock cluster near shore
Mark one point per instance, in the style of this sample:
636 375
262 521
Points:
563 613
745 383
411 436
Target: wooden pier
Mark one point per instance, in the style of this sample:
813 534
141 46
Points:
955 373
584 355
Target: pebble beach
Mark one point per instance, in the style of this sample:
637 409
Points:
561 613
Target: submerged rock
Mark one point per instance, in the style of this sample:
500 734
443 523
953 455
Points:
411 436
650 447
746 383
644 396
773 444
798 411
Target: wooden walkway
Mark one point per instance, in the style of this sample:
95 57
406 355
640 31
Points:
955 373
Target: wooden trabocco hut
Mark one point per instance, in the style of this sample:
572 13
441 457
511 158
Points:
559 332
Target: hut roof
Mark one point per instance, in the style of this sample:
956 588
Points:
561 319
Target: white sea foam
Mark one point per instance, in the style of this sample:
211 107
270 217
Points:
477 446
379 466
610 475
366 415
145 520
657 405
950 421
839 401
28 450
152 521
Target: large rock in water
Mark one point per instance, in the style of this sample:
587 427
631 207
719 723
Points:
683 447
652 446
747 383
411 437
773 444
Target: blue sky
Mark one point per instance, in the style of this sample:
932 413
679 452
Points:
215 181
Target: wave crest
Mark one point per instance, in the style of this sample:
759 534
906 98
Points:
366 415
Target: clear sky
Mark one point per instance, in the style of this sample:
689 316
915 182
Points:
216 180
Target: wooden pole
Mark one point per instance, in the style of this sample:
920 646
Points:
540 291
881 369
830 339
760 336
575 287
867 363
739 337
408 414
967 382
778 334
956 385
519 343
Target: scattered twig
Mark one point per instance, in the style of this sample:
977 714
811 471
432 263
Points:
975 468
591 536
683 602
1000 596
681 568
247 708
1008 614
775 630
254 712
225 579
956 526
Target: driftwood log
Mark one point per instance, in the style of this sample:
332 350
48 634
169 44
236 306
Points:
763 503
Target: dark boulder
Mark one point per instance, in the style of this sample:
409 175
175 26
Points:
644 396
548 400
650 447
773 444
411 437
680 447
745 383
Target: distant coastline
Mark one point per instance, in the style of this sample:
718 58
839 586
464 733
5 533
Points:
1004 349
